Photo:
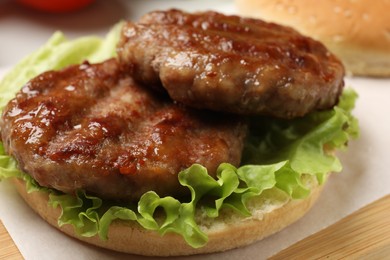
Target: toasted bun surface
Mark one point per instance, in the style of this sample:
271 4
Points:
356 31
224 234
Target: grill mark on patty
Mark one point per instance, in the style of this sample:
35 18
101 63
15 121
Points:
92 127
232 64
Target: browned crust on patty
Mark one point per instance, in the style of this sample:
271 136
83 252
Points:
92 127
233 64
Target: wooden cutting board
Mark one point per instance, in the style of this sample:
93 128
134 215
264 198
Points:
364 234
8 250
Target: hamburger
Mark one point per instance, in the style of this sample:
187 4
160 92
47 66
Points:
176 131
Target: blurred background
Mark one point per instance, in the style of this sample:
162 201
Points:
23 29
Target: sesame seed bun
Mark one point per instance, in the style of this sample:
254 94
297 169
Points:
356 31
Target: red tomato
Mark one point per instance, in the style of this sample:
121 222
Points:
56 6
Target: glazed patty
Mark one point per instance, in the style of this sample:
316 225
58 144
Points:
227 63
92 127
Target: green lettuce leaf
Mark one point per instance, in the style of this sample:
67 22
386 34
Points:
57 53
277 155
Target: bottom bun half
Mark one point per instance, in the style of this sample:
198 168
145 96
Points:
226 233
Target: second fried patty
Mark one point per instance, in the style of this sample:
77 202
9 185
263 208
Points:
92 127
232 64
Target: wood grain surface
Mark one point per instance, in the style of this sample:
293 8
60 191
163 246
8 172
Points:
365 234
8 249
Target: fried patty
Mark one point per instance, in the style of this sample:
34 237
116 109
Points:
92 127
232 64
